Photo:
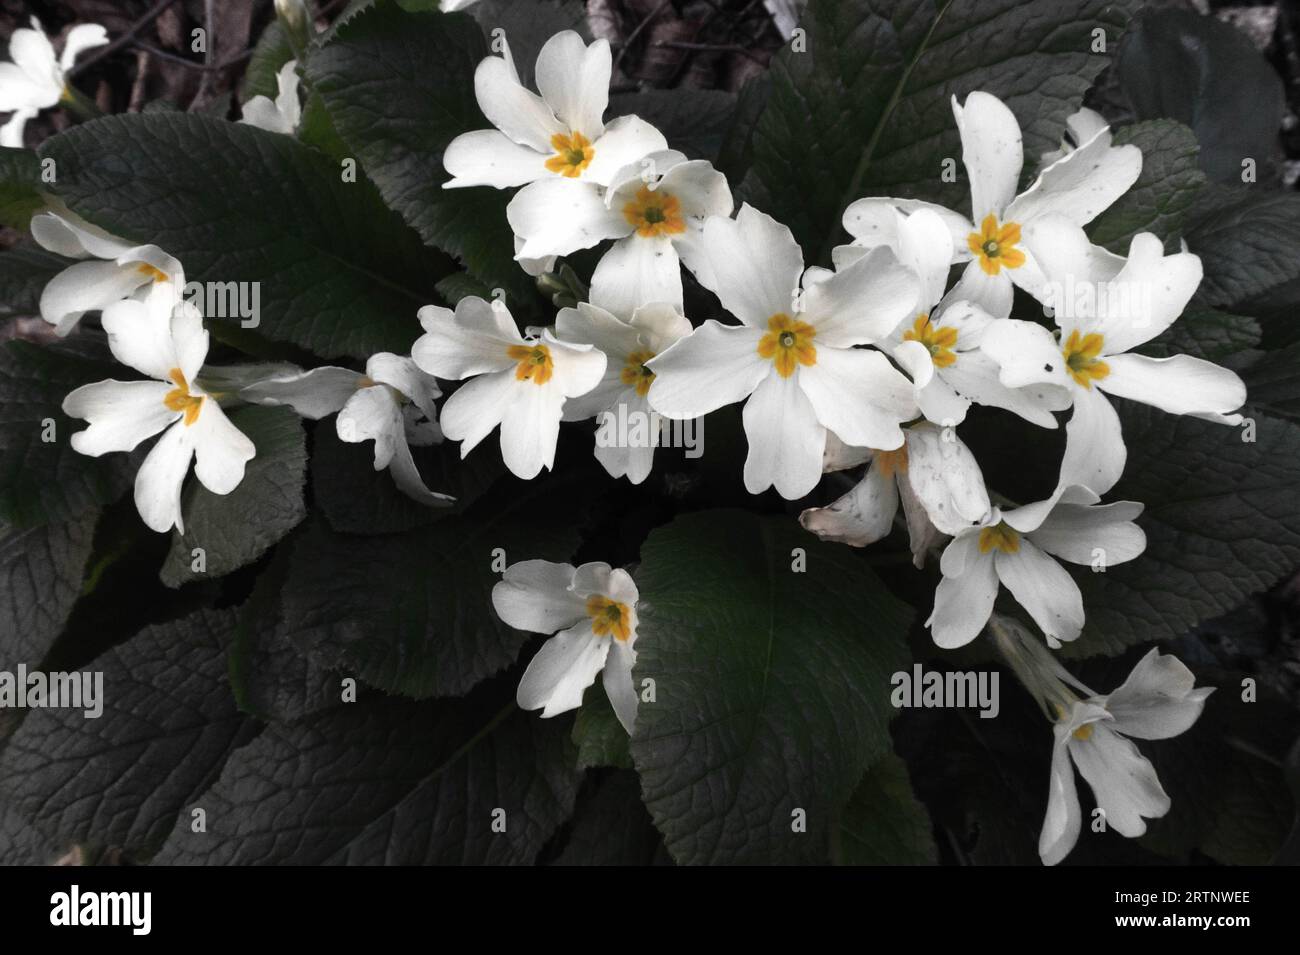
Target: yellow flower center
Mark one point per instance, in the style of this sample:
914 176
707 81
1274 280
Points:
654 213
788 343
534 363
893 462
635 373
995 246
1000 537
609 617
1081 353
939 341
154 275
573 154
180 399
1083 733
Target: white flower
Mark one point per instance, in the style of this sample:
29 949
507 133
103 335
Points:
620 397
391 404
283 114
655 209
594 608
940 348
519 383
1155 702
558 139
1080 127
117 269
167 343
933 474
792 355
1015 547
35 80
1116 305
997 241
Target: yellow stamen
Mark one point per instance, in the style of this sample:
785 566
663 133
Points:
890 463
1000 537
995 246
1081 360
180 399
535 363
573 154
609 617
654 213
155 275
940 342
636 373
788 343
1083 733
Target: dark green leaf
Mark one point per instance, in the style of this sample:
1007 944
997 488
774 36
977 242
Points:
271 52
1273 381
693 121
40 579
527 26
1206 333
611 827
20 178
599 736
24 271
1248 239
884 824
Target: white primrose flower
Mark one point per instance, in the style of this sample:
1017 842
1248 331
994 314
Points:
519 383
36 79
594 610
940 348
933 475
1106 305
391 404
1016 547
620 397
115 269
655 209
793 354
997 241
282 114
168 343
559 140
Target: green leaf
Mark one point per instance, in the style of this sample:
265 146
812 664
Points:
1248 239
1222 522
527 27
1273 381
772 685
866 109
1159 201
24 271
235 529
168 724
1177 64
399 87
40 579
389 783
412 613
611 827
20 197
884 824
1206 333
693 121
270 53
599 736
41 480
336 271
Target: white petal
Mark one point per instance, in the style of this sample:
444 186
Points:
537 595
477 407
864 302
220 449
87 287
873 222
67 234
82 37
23 96
1083 184
946 478
519 113
859 395
140 337
488 157
963 603
32 53
473 340
629 454
925 245
121 414
312 394
1158 700
1180 384
559 216
756 264
574 80
993 293
1026 353
1045 589
404 376
700 188
636 271
158 482
1094 443
1146 296
261 112
785 439
976 377
372 414
562 670
862 516
617 677
407 477
189 337
626 140
577 368
991 150
1085 534
660 324
1061 825
11 133
1123 781
530 428
715 365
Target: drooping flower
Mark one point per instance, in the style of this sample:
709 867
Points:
391 404
619 399
558 138
1078 186
518 383
594 609
168 343
933 475
793 354
36 79
940 347
1016 548
1104 306
282 114
114 269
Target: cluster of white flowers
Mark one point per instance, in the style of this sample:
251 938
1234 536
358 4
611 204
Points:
877 360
